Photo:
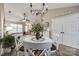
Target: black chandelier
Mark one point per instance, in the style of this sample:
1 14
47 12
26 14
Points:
39 11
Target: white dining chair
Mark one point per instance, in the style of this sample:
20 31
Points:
18 43
44 53
30 53
52 53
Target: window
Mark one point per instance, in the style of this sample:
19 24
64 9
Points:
19 27
28 27
16 28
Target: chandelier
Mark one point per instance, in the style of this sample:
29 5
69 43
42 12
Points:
41 11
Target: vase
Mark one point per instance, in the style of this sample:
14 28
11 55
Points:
7 50
37 35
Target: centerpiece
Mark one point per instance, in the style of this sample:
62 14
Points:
37 29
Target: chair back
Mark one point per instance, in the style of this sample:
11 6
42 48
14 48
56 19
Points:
31 53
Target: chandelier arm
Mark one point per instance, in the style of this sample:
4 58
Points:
38 11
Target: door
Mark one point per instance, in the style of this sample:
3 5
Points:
67 27
56 29
71 30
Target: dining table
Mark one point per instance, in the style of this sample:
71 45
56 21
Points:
30 42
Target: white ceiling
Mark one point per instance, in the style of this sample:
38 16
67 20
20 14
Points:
38 5
17 9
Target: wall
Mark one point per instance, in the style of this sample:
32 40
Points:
1 24
17 14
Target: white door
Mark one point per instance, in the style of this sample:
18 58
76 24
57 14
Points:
69 35
71 30
68 29
56 29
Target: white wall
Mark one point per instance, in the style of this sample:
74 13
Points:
54 11
1 24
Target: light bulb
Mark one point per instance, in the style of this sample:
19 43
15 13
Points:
47 6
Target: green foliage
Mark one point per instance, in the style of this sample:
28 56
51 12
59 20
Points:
8 41
37 27
0 41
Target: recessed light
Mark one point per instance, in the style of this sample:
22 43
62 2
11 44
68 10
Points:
9 11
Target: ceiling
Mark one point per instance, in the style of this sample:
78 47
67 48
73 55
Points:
17 9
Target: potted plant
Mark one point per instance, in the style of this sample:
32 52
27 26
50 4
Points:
37 28
0 41
8 41
0 45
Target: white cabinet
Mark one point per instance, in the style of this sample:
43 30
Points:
67 28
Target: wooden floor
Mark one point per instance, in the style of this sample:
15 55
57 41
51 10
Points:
63 51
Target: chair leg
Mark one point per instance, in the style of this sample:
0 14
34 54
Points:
25 52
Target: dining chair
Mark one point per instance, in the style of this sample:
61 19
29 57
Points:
30 52
18 43
44 53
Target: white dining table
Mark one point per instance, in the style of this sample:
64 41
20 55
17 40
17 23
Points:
36 44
